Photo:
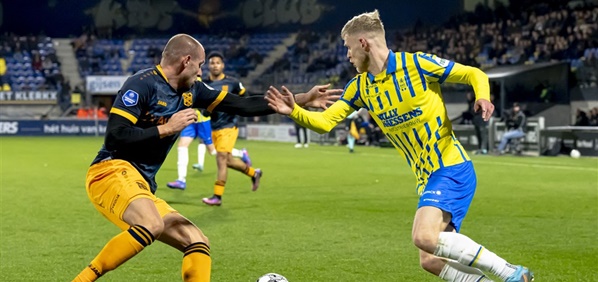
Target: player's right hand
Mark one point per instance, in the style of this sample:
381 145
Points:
282 103
182 119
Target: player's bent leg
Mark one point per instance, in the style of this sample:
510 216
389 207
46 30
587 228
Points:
246 169
235 163
143 212
119 192
183 235
428 223
216 199
145 225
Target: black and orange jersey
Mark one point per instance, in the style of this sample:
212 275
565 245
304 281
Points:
229 84
145 101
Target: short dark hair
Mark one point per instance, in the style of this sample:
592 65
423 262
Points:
216 54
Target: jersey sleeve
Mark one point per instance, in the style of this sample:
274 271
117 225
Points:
433 68
351 94
321 122
207 97
132 98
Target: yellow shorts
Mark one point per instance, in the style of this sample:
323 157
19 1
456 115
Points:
112 185
225 139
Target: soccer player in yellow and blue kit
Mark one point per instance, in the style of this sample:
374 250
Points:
401 91
201 130
149 112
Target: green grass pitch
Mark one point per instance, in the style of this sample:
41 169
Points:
321 214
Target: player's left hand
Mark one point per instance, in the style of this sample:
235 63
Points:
485 107
321 97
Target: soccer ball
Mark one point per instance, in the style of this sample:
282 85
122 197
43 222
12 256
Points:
272 277
575 154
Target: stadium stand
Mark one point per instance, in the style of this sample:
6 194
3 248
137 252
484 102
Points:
485 39
30 63
113 57
505 36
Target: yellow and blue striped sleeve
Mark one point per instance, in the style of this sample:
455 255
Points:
322 122
433 68
472 76
351 93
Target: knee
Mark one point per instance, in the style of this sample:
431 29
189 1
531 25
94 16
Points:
425 242
221 157
204 238
229 161
154 226
185 233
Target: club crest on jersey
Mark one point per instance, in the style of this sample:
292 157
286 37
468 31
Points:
188 99
130 98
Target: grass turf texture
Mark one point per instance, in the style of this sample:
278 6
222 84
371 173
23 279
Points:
321 214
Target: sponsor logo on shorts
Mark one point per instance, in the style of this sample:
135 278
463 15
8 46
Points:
142 186
431 200
113 204
435 192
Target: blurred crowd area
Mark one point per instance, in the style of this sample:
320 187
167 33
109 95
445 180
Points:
485 38
29 63
105 56
586 118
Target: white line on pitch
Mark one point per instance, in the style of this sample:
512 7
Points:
475 161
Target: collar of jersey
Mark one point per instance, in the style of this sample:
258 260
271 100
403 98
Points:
161 74
391 67
220 77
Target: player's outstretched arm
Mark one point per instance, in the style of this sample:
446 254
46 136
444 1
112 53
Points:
243 106
283 102
318 96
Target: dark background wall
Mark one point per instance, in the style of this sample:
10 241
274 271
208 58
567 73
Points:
61 18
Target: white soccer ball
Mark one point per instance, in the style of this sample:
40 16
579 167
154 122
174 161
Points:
272 277
575 154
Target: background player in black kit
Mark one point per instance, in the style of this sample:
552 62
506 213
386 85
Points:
225 131
151 108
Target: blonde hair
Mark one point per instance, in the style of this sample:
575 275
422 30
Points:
365 23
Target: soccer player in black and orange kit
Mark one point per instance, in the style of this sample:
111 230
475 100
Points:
151 109
225 131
